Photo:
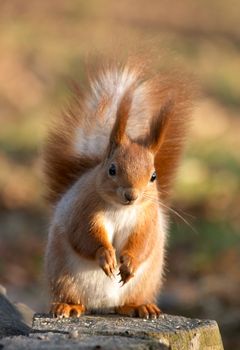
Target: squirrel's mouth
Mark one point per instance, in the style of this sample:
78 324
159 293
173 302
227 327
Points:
129 202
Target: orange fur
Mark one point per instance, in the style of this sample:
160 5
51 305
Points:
106 222
143 311
61 165
67 310
118 133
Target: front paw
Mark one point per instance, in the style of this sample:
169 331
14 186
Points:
127 268
106 258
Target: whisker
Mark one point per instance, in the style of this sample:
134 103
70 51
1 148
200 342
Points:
180 216
187 214
157 201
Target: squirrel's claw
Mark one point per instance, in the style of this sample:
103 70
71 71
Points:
123 282
108 271
112 273
126 279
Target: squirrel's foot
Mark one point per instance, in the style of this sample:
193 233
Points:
142 311
67 310
107 260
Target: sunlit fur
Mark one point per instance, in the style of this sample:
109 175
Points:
138 124
130 174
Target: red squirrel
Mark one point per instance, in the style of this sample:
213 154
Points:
109 165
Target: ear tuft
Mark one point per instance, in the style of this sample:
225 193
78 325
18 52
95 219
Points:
158 126
118 135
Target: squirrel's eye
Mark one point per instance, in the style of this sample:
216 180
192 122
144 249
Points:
153 177
112 170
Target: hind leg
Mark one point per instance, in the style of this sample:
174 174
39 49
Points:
66 300
142 311
67 310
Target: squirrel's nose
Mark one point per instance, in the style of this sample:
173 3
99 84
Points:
130 196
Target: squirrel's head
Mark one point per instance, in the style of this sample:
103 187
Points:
127 173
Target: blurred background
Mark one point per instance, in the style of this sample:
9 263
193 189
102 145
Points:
42 45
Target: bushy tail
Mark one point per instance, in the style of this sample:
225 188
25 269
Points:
182 93
62 165
78 139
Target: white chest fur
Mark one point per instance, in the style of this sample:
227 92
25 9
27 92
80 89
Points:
120 223
95 289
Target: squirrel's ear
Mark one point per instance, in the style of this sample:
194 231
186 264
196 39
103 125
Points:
118 135
158 127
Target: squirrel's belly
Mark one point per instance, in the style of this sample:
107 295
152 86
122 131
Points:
95 289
